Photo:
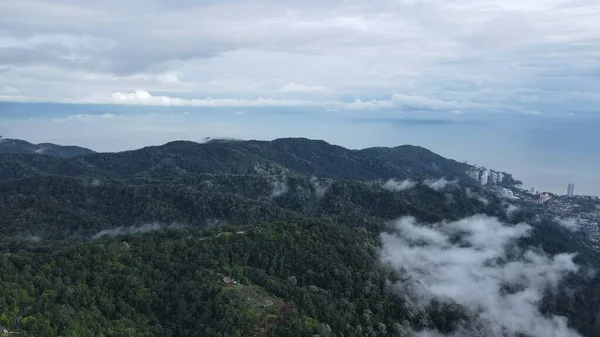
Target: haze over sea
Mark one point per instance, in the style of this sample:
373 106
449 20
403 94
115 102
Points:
545 150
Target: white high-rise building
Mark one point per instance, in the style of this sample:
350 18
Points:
533 190
500 177
484 177
571 190
494 177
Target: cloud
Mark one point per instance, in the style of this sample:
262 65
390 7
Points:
439 184
398 186
570 224
319 187
33 238
141 97
301 88
476 196
280 188
109 116
475 263
133 229
432 56
510 209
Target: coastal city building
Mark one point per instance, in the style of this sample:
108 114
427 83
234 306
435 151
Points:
543 198
571 190
494 177
484 177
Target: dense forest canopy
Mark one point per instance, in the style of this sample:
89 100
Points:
292 237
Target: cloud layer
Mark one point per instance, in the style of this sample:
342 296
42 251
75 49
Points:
398 186
280 187
438 184
570 224
456 56
475 262
133 229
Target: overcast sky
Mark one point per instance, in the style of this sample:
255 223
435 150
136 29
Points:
482 55
309 68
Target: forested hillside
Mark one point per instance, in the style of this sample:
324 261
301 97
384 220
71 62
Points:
16 146
282 156
279 238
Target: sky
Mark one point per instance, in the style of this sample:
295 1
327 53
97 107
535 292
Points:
507 84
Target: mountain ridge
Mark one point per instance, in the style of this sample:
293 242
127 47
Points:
18 146
299 156
299 225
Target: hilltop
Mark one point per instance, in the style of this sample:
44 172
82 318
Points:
296 156
17 146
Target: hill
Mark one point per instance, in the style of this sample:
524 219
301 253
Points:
292 237
282 156
16 146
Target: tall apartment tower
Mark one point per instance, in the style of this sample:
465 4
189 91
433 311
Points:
494 177
484 177
570 190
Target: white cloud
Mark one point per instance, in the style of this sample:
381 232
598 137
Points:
280 188
435 54
473 262
109 116
477 196
87 118
319 187
77 117
398 186
34 238
570 224
438 184
133 229
510 209
301 88
141 97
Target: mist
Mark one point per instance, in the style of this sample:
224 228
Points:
280 188
477 196
398 186
439 184
33 238
510 209
319 187
476 263
569 223
133 229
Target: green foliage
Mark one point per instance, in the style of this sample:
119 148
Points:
171 283
303 262
282 156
